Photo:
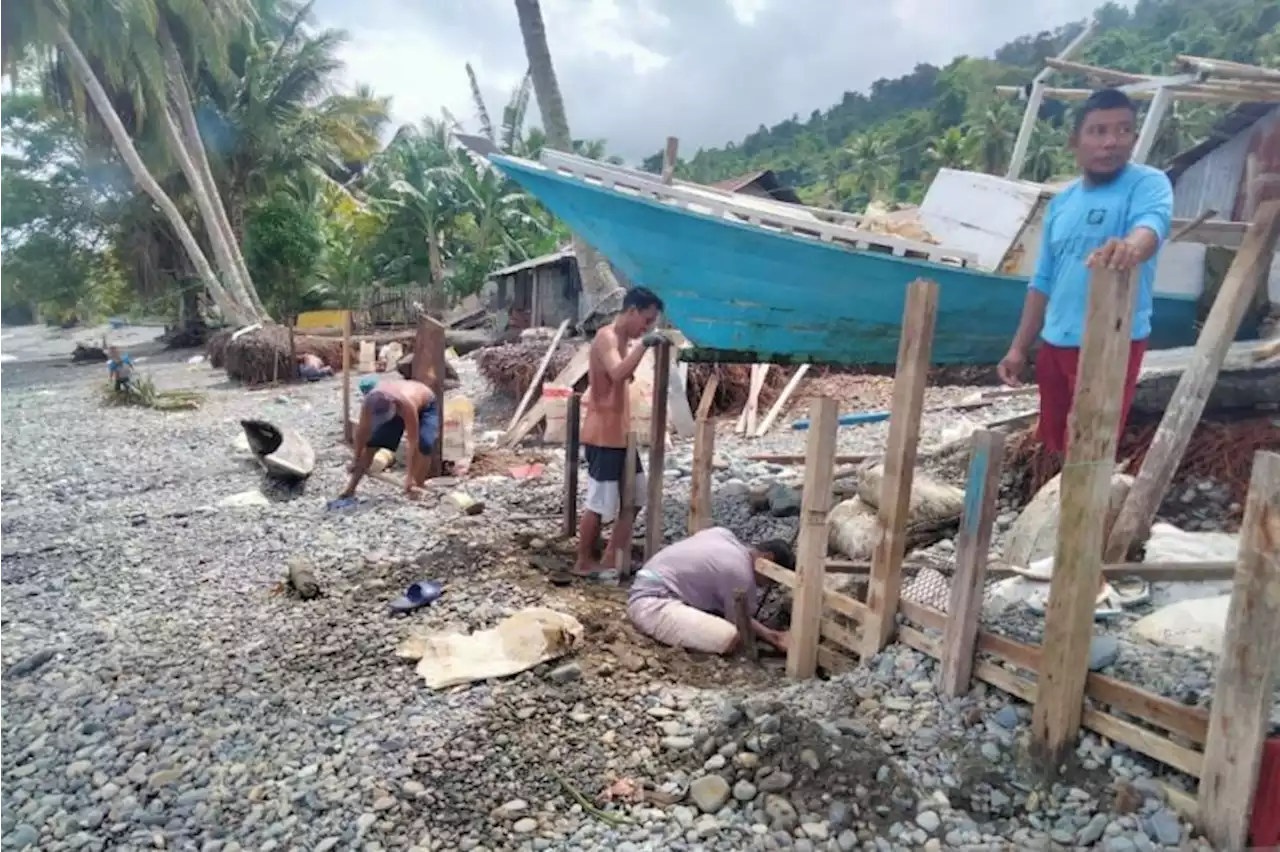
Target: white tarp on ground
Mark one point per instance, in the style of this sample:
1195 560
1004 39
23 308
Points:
519 642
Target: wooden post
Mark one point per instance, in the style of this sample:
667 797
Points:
742 618
627 505
657 449
965 604
669 160
572 438
708 397
1240 716
811 549
346 377
910 377
1249 269
704 448
429 368
1086 488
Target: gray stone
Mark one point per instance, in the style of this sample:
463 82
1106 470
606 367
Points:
815 830
1119 843
709 793
928 820
1103 652
991 752
1007 717
677 743
525 826
22 836
847 841
566 673
784 502
1165 827
744 791
840 815
1092 832
775 782
782 816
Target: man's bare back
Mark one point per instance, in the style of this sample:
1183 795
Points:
414 393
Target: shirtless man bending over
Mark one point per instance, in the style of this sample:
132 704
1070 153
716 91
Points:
390 410
606 422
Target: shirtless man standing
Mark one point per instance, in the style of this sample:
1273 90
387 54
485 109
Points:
606 422
390 410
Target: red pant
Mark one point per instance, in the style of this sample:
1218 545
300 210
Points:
1056 375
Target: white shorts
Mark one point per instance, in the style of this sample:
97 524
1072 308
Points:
604 498
673 622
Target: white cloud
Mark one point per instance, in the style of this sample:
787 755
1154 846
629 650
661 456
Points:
636 71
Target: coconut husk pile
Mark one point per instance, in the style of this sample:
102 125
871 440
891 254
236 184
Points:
262 355
1219 450
215 348
509 368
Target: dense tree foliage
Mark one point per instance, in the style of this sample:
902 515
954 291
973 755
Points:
887 143
159 151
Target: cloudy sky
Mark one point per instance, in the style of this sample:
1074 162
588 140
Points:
636 71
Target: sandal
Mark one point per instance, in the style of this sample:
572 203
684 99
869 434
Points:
1111 602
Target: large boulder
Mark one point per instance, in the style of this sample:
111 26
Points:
1034 535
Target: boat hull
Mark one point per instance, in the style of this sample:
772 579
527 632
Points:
756 294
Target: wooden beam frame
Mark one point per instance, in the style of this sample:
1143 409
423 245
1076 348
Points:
429 368
1247 272
915 346
1160 104
1086 487
811 549
1034 100
1240 719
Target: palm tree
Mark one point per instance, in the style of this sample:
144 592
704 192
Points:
598 281
872 165
990 137
1048 156
123 41
947 151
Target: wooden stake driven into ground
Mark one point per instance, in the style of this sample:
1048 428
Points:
346 377
657 450
704 443
627 504
811 548
914 348
965 605
1240 717
1086 488
1248 271
572 438
429 368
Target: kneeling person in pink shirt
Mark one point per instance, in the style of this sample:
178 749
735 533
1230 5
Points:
683 596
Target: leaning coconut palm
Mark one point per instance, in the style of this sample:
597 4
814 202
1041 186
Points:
604 293
116 44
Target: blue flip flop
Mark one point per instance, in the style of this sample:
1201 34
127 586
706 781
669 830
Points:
417 595
340 503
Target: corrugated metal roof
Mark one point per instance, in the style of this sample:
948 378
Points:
533 263
1228 127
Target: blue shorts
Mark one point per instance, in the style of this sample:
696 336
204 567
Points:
388 435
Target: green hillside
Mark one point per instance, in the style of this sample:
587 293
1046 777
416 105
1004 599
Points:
888 142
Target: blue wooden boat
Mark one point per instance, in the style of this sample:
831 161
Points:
755 280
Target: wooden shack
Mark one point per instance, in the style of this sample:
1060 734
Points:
542 291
